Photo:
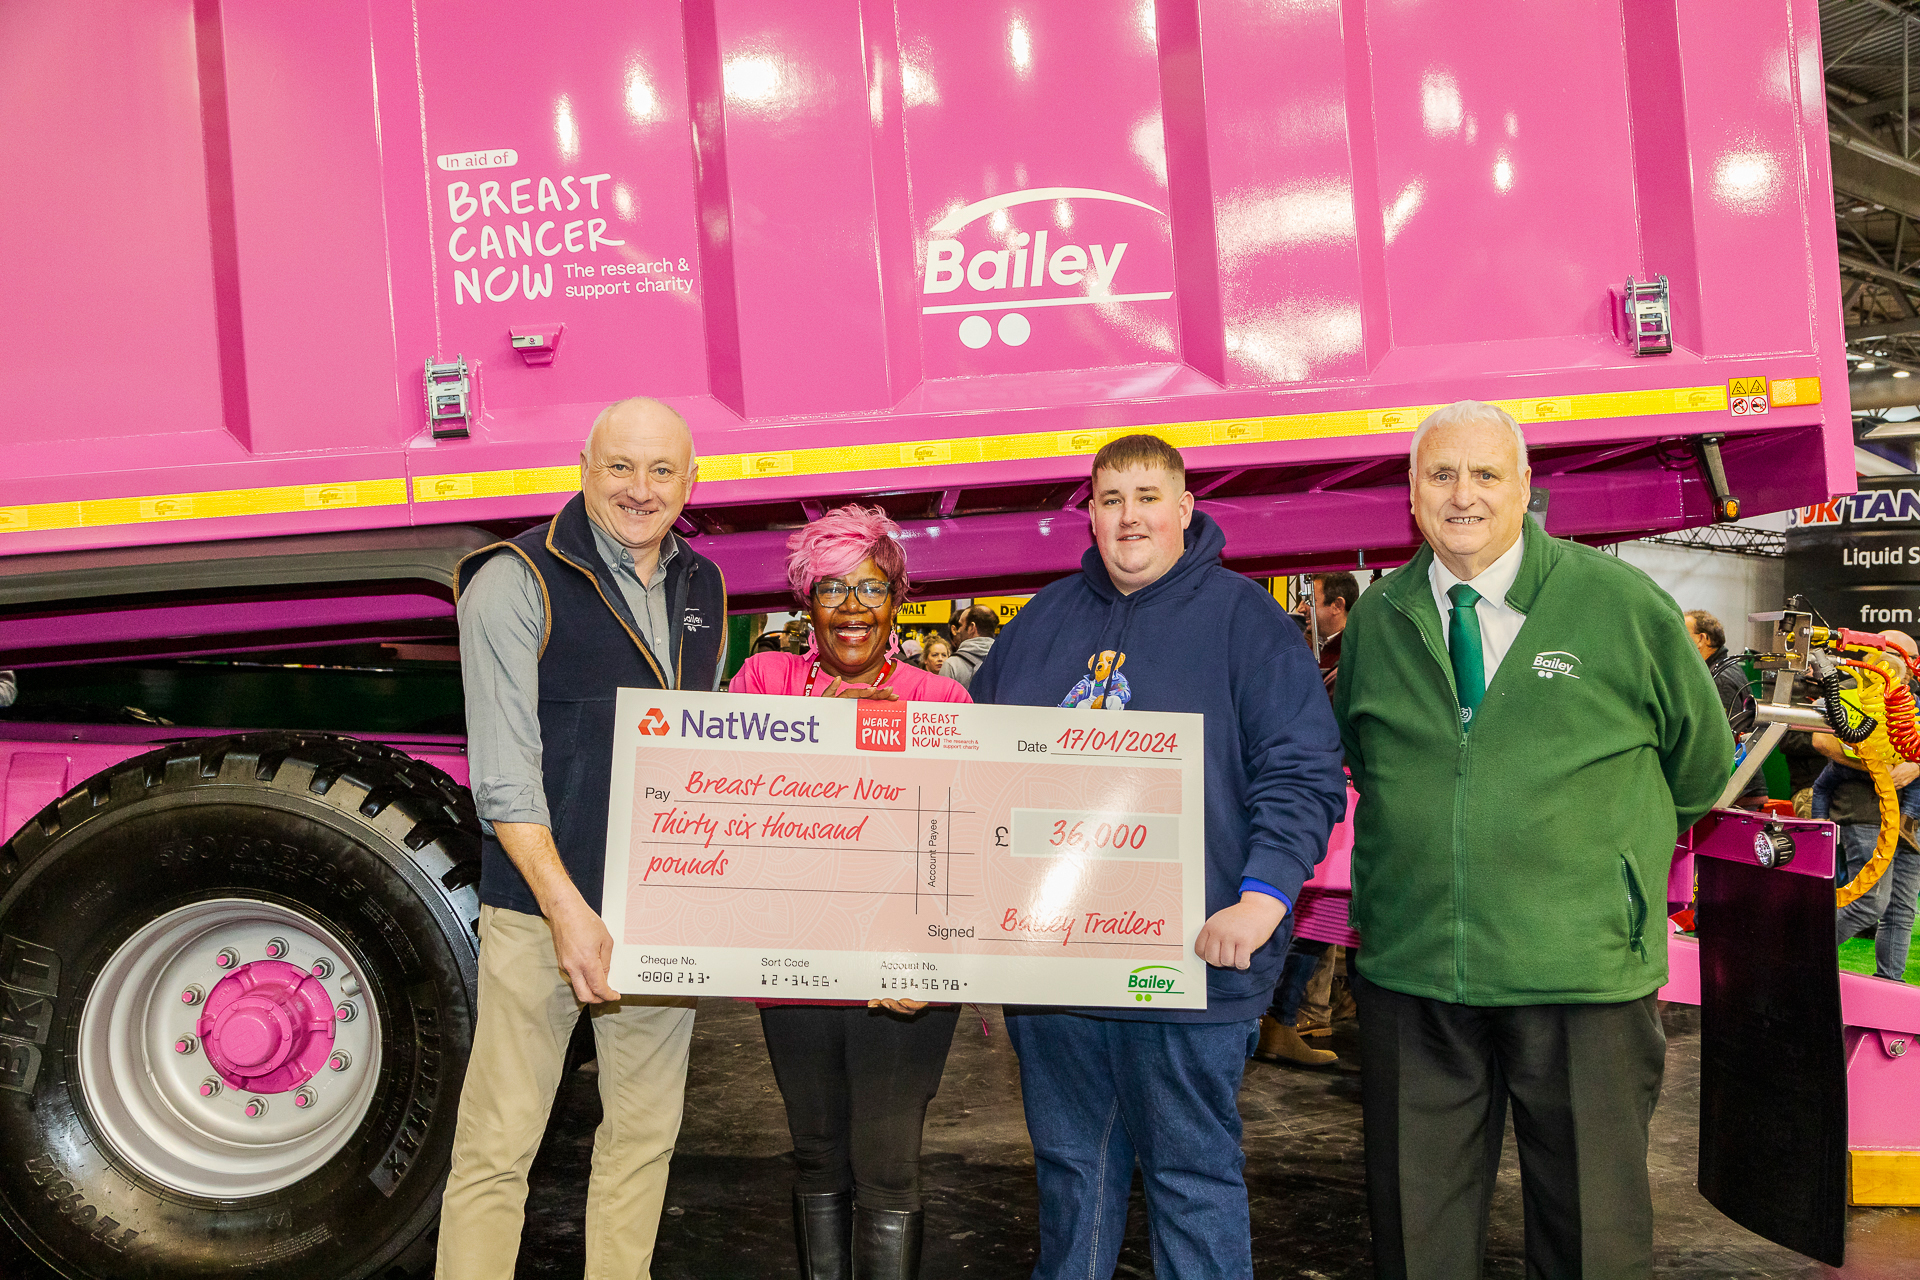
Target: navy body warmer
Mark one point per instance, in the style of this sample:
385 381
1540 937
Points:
589 652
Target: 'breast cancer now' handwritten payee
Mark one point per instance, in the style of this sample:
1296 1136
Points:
841 849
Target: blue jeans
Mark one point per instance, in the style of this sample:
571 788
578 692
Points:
1295 974
1100 1094
1888 906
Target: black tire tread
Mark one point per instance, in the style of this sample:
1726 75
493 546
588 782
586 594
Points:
417 806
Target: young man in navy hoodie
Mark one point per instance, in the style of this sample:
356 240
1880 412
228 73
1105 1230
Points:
1154 622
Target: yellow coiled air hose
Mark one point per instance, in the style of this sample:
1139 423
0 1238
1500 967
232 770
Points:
1877 674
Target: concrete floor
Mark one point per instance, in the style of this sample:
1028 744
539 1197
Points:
727 1203
727 1211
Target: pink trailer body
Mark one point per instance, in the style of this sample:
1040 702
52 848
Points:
307 302
902 251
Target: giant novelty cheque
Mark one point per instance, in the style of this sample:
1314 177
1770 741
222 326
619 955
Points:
841 849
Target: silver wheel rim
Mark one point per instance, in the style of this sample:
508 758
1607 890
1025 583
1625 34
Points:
147 1090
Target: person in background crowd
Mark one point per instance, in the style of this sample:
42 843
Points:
9 688
935 654
973 634
912 650
1334 595
1710 638
1104 1088
552 625
1529 731
771 642
1730 682
856 1078
1844 795
1307 978
799 635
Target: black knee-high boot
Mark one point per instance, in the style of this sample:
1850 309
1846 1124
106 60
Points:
823 1229
886 1243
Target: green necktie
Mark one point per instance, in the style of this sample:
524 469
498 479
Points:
1463 643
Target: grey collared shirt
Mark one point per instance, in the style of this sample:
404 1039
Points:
502 618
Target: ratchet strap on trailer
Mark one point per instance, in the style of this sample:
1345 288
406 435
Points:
956 451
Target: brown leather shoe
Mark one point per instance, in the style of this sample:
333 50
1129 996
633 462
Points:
1344 1007
1281 1043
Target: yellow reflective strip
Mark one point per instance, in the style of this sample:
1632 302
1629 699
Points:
894 454
1794 391
205 505
498 484
890 455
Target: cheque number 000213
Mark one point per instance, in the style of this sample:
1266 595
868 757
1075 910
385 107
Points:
1123 741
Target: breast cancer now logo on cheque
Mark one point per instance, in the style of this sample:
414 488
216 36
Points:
981 257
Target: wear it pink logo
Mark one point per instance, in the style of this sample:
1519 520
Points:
881 726
655 723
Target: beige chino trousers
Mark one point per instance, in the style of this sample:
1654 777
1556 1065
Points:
527 1015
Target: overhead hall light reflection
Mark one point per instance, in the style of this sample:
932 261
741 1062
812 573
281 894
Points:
1020 45
565 131
752 79
643 105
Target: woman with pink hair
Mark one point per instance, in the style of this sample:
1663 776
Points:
856 1077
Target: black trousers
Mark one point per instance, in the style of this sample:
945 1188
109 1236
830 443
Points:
1436 1080
857 1082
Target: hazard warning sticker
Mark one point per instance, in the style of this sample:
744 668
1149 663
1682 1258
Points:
1747 396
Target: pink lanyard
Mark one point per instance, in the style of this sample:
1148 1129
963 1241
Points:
886 670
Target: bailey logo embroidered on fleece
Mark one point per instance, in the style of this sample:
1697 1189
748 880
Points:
1556 662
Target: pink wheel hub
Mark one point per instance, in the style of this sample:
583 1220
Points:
268 1027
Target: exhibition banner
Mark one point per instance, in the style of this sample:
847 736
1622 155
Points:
851 849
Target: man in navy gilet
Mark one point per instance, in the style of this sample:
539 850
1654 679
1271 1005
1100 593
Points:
552 623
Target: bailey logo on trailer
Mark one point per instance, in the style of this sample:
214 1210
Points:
1019 252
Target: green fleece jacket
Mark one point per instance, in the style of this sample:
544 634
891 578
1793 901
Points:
1525 862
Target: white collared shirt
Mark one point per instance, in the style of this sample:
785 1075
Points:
1499 621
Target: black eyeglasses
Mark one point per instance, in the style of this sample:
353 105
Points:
871 592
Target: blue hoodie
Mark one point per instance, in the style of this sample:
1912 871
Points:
1201 638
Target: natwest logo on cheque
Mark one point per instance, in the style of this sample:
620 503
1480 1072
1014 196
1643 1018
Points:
655 723
983 260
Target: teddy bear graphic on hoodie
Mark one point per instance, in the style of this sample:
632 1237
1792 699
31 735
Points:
1103 688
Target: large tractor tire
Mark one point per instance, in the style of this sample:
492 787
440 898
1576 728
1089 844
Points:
237 991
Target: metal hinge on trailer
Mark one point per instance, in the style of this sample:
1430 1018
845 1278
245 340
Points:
449 398
1649 316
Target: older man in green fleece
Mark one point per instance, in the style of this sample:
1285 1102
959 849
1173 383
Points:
1529 728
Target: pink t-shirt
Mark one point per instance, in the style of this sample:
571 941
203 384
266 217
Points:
786 673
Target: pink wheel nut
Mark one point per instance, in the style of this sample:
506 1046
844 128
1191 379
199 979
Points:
346 1012
227 958
277 948
185 1044
340 1060
210 1088
255 1108
192 995
304 1098
322 968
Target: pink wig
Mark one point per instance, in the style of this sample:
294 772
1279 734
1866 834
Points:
839 540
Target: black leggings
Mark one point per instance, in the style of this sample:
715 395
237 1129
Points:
857 1082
